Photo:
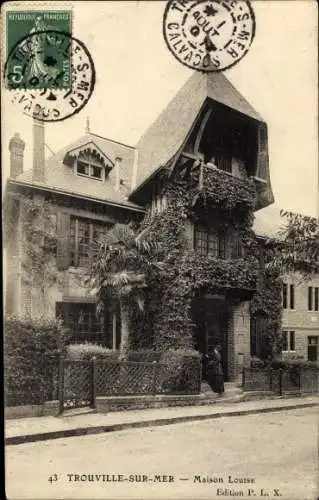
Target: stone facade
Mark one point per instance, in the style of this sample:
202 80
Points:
299 318
239 338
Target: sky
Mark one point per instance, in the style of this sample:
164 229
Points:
137 76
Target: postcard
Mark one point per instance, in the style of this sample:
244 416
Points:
161 278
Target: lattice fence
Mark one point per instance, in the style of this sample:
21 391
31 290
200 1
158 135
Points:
118 378
82 381
76 386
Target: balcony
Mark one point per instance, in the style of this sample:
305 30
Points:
229 276
218 187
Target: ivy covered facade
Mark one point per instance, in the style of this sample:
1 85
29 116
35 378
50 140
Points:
193 184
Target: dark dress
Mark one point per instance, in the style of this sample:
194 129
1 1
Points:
215 372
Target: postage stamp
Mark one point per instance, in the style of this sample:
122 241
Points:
209 35
56 100
41 63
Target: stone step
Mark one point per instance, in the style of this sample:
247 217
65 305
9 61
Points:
78 411
232 389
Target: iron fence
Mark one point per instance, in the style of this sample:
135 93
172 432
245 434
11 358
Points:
292 380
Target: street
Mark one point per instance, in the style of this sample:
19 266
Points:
270 455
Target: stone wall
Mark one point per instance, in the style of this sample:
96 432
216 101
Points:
239 339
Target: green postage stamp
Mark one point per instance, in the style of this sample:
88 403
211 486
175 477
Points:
35 56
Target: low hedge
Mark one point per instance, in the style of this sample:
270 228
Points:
31 354
257 363
87 350
182 374
286 364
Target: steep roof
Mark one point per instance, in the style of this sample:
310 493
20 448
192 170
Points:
166 135
60 177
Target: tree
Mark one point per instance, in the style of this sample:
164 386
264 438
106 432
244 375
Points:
296 247
120 271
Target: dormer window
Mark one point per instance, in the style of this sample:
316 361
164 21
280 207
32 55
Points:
89 169
88 160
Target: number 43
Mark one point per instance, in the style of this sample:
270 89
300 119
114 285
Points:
53 478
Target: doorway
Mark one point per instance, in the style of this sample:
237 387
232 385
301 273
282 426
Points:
211 318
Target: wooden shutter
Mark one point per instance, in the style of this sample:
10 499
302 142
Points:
189 234
63 230
262 152
235 245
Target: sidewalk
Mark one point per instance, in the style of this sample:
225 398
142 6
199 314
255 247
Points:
26 430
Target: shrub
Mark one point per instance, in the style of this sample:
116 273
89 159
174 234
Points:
286 364
87 350
256 362
182 371
31 354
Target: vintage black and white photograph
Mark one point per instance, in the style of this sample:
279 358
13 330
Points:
160 249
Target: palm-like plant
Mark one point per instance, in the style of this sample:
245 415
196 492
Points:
119 272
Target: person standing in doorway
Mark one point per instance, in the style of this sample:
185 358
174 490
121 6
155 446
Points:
215 370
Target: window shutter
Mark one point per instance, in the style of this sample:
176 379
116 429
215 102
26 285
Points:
189 234
63 231
262 154
235 245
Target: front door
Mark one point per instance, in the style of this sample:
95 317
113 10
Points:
211 319
216 326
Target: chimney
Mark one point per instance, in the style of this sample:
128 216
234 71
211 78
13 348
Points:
38 170
87 127
117 167
16 148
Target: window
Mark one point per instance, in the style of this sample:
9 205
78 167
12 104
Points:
207 241
237 249
86 325
89 170
288 296
284 295
85 236
292 296
159 200
224 163
313 298
288 340
257 326
313 348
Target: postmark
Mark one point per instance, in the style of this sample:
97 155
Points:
209 35
45 61
50 96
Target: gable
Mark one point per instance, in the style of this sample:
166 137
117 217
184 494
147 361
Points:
89 152
166 135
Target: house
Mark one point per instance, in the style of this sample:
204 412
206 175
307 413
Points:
84 189
300 300
210 144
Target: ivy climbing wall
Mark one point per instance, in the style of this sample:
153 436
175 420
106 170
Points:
205 195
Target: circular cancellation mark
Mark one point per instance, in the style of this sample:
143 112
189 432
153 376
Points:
50 75
209 35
